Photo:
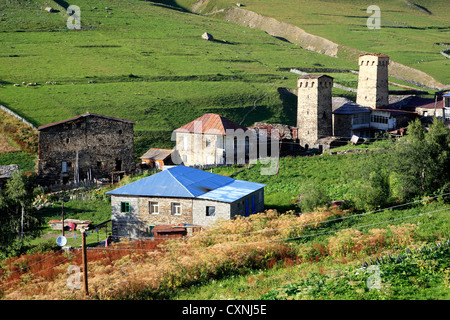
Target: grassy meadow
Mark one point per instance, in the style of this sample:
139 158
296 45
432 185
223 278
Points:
409 33
146 62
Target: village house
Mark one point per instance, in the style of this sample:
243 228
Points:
85 147
157 158
178 196
207 139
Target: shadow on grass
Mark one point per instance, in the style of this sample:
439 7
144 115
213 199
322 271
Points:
168 4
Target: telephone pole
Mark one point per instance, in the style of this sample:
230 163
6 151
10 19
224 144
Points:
83 237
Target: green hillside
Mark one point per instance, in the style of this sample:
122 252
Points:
145 62
410 30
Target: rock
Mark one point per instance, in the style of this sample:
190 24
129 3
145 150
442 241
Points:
207 36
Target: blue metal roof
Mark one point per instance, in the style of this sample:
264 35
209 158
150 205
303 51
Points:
185 182
232 191
446 95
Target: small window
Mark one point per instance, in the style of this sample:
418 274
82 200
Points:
64 167
176 208
125 207
210 211
208 142
153 207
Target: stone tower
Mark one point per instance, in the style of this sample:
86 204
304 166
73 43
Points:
314 109
373 80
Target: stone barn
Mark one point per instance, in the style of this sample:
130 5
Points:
182 196
86 147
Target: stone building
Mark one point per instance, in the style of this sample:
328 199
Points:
86 147
314 110
373 88
181 196
351 119
211 140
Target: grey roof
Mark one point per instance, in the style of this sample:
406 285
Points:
6 171
351 108
314 76
157 154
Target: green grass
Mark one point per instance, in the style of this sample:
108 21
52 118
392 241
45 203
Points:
408 34
25 161
335 173
341 277
147 64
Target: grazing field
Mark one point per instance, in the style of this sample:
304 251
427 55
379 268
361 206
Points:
410 31
146 62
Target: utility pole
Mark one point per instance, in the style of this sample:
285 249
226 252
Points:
62 212
83 237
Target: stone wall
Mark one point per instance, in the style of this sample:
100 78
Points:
136 223
342 125
103 145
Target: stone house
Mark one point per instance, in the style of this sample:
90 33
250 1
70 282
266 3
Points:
211 140
351 119
85 147
181 195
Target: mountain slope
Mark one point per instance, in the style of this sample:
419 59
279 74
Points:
410 32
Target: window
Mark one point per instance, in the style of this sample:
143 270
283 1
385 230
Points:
125 207
153 207
210 211
208 142
176 208
379 119
64 167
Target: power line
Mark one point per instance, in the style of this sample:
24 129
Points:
306 224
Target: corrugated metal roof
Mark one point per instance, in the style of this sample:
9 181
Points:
232 191
185 182
157 154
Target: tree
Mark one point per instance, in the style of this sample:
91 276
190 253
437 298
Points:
421 162
16 213
370 180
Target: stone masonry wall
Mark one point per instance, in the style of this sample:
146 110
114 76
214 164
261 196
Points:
103 146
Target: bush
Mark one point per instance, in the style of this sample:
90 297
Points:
312 198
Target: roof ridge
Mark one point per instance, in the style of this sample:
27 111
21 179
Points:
168 170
